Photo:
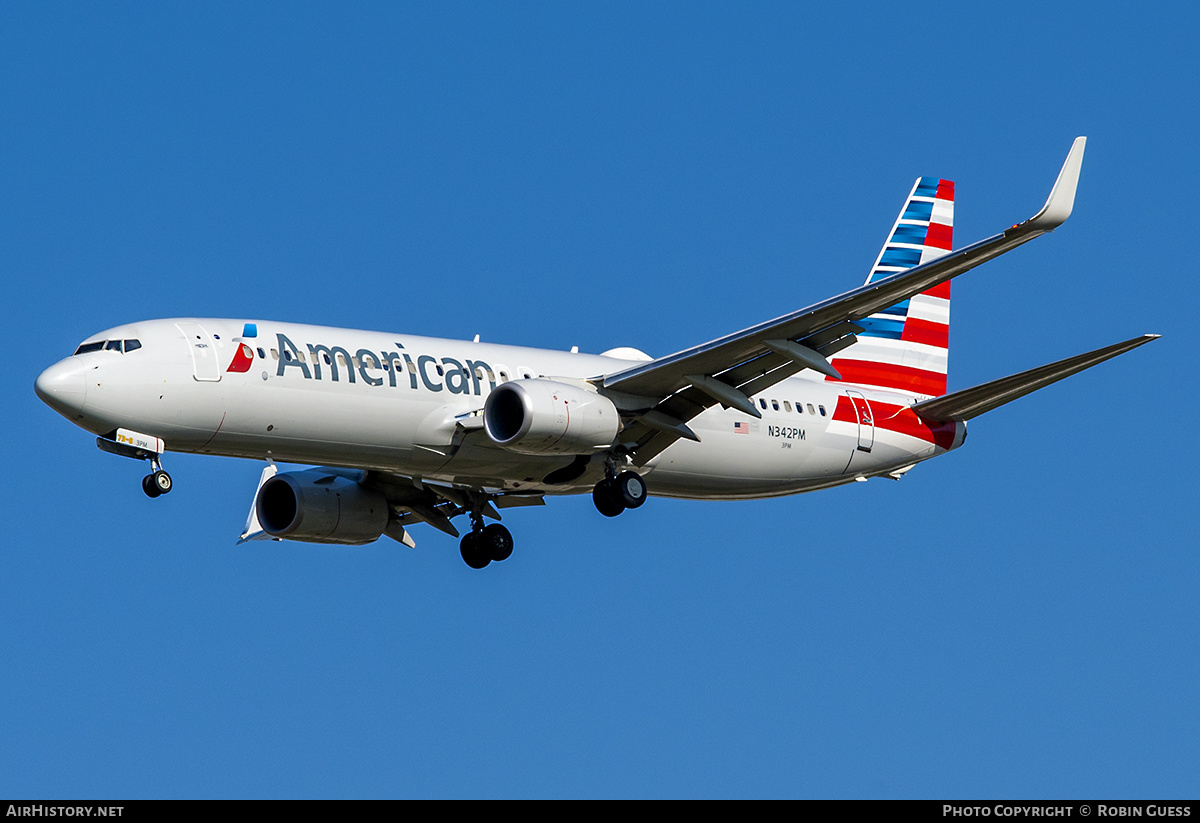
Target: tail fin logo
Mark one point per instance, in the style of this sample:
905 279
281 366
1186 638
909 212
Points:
904 347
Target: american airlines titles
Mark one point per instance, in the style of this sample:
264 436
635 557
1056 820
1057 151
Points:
454 376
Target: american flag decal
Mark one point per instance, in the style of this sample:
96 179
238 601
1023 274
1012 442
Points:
741 428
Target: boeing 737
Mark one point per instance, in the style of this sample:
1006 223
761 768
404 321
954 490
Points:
409 429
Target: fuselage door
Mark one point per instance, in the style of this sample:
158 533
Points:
866 421
205 366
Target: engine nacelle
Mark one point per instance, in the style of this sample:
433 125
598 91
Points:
317 507
549 417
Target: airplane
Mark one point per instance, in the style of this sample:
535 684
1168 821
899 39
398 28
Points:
406 429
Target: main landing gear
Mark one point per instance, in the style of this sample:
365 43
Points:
158 481
615 494
483 544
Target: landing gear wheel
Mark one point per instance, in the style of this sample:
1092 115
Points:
472 549
496 542
161 481
608 501
150 487
630 489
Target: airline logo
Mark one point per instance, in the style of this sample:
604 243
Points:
243 359
336 363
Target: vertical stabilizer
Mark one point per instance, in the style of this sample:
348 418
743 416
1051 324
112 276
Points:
904 347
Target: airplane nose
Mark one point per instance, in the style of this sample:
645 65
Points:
62 387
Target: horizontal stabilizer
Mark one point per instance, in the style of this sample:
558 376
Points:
968 403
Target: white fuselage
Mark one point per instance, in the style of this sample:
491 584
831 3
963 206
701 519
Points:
389 402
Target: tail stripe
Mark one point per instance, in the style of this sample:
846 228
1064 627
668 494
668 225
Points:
941 290
900 258
890 352
892 376
933 309
917 330
918 210
878 326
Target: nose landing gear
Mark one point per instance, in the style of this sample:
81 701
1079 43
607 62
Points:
137 446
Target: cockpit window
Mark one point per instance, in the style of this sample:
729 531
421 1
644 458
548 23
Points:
110 345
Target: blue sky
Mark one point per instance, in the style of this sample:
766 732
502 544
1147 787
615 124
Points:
1016 619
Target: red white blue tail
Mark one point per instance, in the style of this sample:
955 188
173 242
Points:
904 347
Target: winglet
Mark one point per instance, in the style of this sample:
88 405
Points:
1062 196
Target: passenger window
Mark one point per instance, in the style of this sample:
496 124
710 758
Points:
287 355
822 408
274 354
412 367
131 345
262 354
787 407
775 405
503 377
811 410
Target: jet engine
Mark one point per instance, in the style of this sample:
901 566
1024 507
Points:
319 507
549 417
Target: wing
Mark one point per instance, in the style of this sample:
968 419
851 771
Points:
661 396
